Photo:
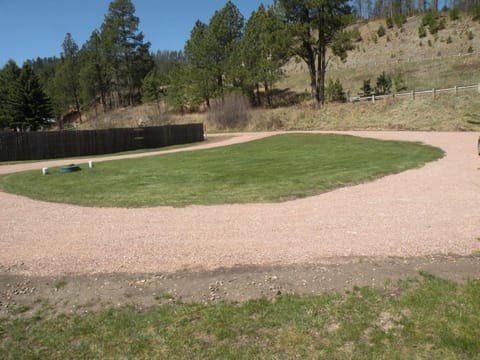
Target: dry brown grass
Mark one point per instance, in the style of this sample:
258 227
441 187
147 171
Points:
402 52
446 113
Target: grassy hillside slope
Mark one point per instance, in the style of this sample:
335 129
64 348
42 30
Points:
445 62
449 58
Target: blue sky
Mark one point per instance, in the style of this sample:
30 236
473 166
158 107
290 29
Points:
32 28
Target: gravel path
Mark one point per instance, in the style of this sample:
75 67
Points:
432 210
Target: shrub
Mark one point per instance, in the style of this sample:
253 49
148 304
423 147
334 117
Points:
356 36
470 35
400 20
334 91
429 42
231 112
398 82
454 14
449 40
433 21
366 89
470 50
388 38
389 22
384 84
421 32
381 31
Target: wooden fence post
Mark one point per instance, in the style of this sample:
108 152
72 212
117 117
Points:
373 98
456 90
413 94
433 92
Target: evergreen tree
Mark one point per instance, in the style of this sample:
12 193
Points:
166 61
67 82
226 30
127 56
201 67
9 77
152 90
264 51
26 105
94 80
317 25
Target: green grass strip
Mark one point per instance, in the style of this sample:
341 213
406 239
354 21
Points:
425 318
274 169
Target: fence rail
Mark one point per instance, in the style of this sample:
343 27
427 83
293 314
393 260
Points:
58 144
414 93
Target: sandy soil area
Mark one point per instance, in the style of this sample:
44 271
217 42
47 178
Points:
434 210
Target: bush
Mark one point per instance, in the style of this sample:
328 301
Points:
389 22
398 82
231 112
433 21
449 40
381 31
355 35
400 20
334 91
470 35
470 50
454 14
384 84
421 32
366 89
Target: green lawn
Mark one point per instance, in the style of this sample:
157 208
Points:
424 318
278 168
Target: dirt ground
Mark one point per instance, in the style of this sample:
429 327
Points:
22 295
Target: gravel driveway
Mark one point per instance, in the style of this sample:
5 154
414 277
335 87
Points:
434 210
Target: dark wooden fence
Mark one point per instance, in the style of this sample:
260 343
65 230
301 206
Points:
59 144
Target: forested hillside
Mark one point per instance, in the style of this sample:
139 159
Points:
323 50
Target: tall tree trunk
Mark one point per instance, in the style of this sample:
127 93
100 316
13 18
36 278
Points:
259 98
267 94
311 63
322 69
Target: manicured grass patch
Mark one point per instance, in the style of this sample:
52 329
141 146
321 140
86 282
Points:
273 169
425 318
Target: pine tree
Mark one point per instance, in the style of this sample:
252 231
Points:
126 54
201 68
9 77
26 106
152 90
264 51
226 30
67 79
318 25
94 79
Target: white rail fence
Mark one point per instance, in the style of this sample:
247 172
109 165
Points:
413 94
